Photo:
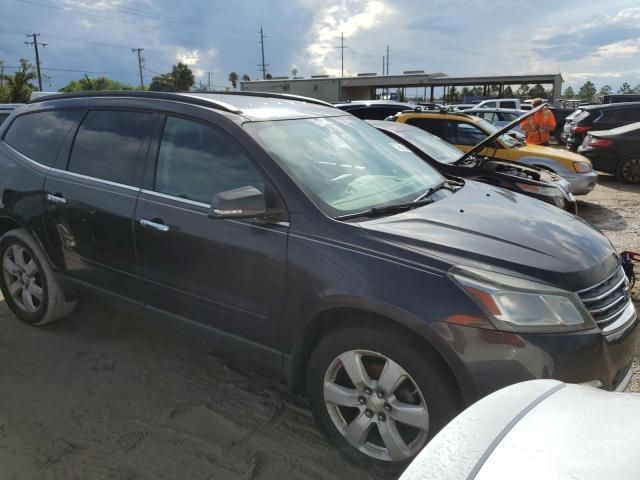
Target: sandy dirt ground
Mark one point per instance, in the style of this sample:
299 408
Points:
104 395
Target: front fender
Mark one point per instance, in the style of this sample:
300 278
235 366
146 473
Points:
546 163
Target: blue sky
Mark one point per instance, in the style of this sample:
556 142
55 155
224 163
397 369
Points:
599 41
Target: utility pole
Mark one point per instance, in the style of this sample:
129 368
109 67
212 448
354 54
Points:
1 74
35 45
263 66
342 47
382 64
387 59
139 51
209 84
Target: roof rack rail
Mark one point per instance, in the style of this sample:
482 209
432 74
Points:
177 96
284 96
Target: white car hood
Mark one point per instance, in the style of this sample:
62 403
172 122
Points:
542 429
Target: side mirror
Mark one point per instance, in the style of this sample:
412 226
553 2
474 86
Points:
243 202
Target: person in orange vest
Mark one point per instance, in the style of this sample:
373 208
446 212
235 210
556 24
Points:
538 125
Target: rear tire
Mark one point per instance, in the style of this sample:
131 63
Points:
28 283
629 170
363 419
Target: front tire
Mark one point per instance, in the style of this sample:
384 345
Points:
378 396
629 170
27 281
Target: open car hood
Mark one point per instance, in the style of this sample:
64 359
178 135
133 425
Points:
500 132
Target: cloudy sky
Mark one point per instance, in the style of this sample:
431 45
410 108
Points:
583 40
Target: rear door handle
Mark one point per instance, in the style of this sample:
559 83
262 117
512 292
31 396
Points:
58 199
161 227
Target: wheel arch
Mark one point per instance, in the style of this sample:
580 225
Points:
334 317
7 223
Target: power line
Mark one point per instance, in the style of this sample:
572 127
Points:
139 51
35 44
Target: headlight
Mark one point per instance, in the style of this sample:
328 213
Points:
540 190
518 305
582 167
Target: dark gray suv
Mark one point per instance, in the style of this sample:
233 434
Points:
390 295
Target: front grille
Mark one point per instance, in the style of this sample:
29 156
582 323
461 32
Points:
607 299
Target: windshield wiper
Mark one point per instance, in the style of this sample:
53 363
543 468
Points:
447 184
386 209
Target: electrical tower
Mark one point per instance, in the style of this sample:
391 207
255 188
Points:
263 66
35 44
139 51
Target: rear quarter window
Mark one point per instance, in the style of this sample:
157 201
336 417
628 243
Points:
40 135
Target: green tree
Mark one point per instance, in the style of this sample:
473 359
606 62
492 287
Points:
625 88
636 89
569 93
246 78
605 90
522 91
294 73
183 77
587 91
537 91
98 84
268 76
233 79
508 92
163 83
179 79
19 87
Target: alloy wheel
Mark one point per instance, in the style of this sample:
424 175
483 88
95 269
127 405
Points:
22 278
376 405
631 170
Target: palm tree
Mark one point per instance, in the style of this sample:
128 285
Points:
294 72
246 78
233 78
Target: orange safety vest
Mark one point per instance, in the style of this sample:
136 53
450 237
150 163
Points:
538 126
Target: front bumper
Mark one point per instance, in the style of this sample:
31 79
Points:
581 183
487 360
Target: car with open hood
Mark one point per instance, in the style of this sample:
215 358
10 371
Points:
465 131
315 245
447 159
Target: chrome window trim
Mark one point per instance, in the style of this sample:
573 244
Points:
177 199
24 157
95 179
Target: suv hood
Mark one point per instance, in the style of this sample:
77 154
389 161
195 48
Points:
496 229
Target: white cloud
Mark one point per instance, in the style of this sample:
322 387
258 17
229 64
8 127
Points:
86 23
93 5
348 17
199 62
625 48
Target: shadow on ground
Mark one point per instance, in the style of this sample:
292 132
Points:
104 395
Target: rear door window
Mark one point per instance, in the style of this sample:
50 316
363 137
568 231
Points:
196 162
431 125
467 134
508 104
40 135
621 115
108 144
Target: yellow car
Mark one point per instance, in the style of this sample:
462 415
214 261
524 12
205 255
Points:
466 131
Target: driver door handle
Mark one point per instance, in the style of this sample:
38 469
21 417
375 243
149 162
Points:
57 198
161 227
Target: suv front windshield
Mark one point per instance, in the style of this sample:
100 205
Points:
344 164
506 140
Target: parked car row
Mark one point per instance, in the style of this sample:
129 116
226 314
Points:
392 295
